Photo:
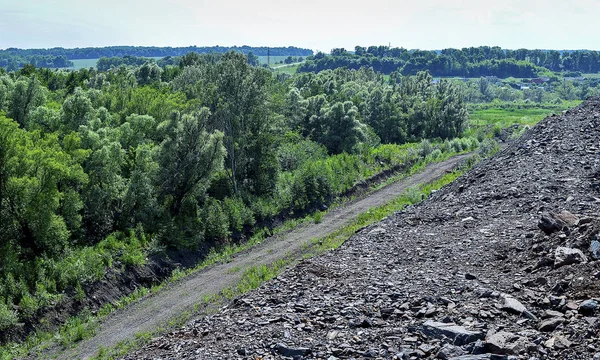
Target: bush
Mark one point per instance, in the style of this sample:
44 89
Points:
425 148
8 317
318 217
216 222
413 195
238 214
488 147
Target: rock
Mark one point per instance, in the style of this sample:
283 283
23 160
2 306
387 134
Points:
588 307
458 334
549 224
550 325
595 249
479 357
567 256
371 353
513 305
291 352
449 351
377 231
470 276
566 218
505 343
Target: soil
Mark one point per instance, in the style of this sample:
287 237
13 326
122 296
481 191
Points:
158 309
500 264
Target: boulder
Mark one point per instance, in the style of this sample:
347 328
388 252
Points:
568 256
459 335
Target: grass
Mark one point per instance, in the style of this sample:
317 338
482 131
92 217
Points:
508 117
288 69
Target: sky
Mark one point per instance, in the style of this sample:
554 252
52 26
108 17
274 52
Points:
314 24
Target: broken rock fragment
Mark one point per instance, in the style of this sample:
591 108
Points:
458 334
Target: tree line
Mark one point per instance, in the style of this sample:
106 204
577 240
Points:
14 59
466 62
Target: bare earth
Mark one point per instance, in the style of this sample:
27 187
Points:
156 310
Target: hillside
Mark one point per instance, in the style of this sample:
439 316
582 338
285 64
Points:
499 262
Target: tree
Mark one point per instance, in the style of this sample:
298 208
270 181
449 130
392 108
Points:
343 130
39 205
189 159
26 96
253 59
77 110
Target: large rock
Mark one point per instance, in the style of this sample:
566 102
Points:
290 351
458 334
514 306
450 351
551 324
551 223
505 343
568 256
480 357
588 307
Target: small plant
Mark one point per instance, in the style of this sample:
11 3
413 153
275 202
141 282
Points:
79 293
8 317
413 195
318 217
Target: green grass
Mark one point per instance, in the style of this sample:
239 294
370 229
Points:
507 117
288 69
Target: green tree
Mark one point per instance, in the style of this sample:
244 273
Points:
26 95
39 205
189 159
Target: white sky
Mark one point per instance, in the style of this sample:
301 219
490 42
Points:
314 24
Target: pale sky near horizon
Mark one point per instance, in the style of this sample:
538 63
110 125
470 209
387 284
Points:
314 24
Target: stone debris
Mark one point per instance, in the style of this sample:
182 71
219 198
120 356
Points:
500 264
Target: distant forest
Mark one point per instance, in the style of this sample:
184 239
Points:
14 59
467 62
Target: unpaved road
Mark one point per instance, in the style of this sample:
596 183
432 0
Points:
156 310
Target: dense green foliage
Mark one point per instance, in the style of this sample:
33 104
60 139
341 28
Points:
14 59
466 62
98 167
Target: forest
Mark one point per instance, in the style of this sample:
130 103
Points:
14 59
466 62
99 169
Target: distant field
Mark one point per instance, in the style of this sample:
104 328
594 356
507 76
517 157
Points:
83 63
288 69
88 63
274 59
505 117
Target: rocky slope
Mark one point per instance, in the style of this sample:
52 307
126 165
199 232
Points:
503 263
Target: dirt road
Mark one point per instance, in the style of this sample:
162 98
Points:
156 310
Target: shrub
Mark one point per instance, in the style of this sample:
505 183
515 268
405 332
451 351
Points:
238 214
8 317
318 217
425 148
216 223
413 195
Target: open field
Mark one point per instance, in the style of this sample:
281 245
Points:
505 117
88 63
